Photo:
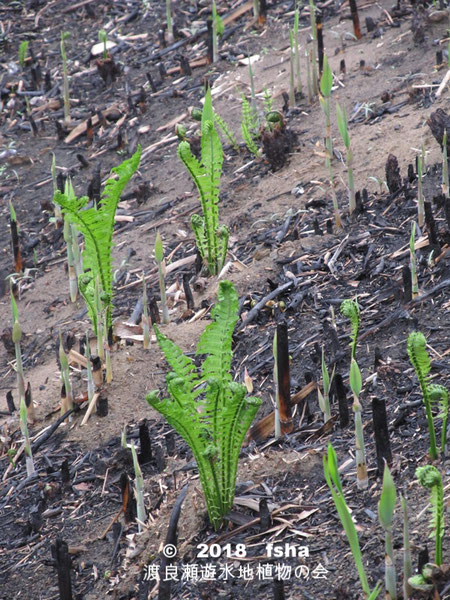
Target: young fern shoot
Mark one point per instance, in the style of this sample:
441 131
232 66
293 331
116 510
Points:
430 478
326 83
343 130
386 509
211 239
420 360
207 408
362 480
97 224
350 309
159 257
413 262
331 472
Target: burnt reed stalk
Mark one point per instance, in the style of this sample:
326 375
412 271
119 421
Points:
283 377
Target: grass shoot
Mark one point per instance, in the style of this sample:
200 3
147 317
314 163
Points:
159 257
343 130
362 480
386 507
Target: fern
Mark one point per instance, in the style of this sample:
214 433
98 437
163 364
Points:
226 131
212 240
96 225
207 408
439 393
350 309
249 121
430 477
420 360
267 102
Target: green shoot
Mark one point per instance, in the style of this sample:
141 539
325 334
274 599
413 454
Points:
139 483
445 180
103 37
407 562
430 477
277 428
211 239
217 29
58 214
267 102
438 393
207 408
420 197
386 509
70 237
297 50
333 480
308 54
420 360
159 257
350 309
314 76
343 130
64 36
23 49
412 261
291 69
145 319
67 402
90 378
252 84
170 37
324 399
326 83
362 480
24 429
97 224
16 337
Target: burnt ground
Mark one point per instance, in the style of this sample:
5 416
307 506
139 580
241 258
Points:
282 231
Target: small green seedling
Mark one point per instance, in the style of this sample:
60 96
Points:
413 262
103 37
211 239
362 479
343 130
331 472
23 49
207 408
430 478
386 508
324 399
217 30
139 483
250 126
326 84
64 36
159 257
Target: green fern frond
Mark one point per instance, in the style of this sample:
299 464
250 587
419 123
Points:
439 393
226 131
416 348
267 102
210 411
350 309
251 146
96 225
23 49
216 339
250 118
430 478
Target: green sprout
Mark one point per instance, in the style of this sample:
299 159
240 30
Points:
324 399
250 126
139 483
103 37
297 50
145 318
420 197
217 29
67 402
207 408
420 360
326 84
386 507
362 480
170 37
407 562
211 239
350 309
23 49
64 36
291 69
24 429
331 472
430 478
314 73
159 257
413 262
224 128
343 130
